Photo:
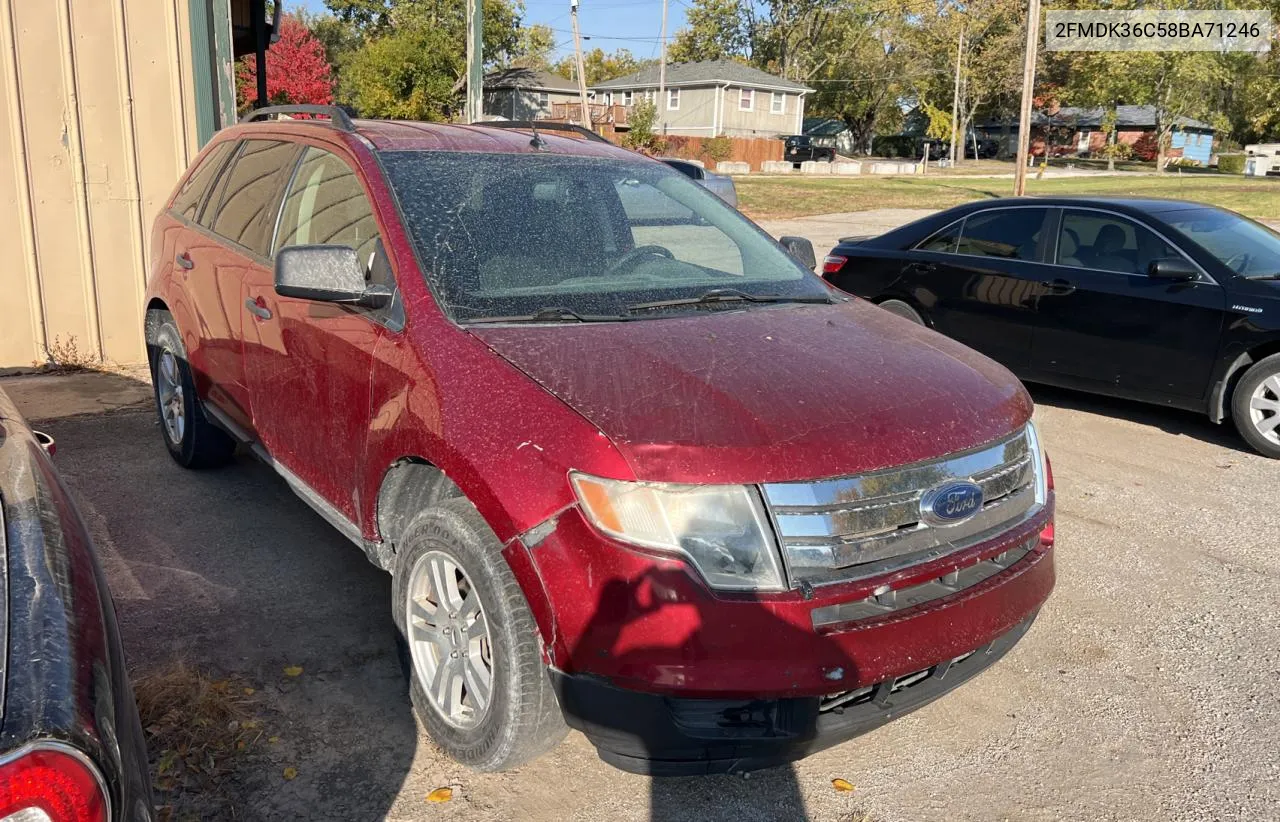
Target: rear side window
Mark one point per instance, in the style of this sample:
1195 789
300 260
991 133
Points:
1011 233
945 240
187 203
326 205
249 193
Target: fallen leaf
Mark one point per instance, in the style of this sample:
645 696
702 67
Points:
440 795
842 785
273 739
248 691
293 670
290 772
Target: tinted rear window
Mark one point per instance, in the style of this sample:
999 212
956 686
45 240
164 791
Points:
1011 233
246 213
187 203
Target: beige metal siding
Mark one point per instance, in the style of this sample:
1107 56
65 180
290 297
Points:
95 96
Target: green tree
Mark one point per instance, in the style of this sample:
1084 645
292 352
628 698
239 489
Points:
644 116
410 74
600 65
714 30
534 46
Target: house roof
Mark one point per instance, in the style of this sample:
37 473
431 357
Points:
534 79
1091 118
710 72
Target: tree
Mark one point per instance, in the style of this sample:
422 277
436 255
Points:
410 74
715 30
644 116
600 65
534 48
297 70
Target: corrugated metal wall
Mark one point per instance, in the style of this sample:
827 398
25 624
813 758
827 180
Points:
98 122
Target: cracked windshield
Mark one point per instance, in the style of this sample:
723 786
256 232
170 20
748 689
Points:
547 238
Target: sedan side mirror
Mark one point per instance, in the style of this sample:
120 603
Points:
802 250
326 273
1172 268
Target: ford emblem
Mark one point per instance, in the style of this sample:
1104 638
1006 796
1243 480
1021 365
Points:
951 503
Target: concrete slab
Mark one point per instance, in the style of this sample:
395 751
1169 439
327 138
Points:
52 396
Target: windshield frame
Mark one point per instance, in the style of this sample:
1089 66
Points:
805 287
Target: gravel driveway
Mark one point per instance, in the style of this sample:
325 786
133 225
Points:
1147 689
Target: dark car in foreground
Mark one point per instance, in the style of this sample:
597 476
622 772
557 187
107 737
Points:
71 746
566 397
1164 301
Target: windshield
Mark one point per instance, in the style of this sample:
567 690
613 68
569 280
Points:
1249 249
509 235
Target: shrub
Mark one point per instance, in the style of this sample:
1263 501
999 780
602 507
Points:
718 148
1231 163
643 117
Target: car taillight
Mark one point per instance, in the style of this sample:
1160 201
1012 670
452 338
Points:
833 263
50 782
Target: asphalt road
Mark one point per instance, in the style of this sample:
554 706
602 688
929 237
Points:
1146 690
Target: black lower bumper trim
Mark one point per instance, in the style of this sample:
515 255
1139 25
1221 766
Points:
669 736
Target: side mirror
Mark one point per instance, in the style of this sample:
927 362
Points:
1172 268
802 250
326 273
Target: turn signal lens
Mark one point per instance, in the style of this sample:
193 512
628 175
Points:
50 782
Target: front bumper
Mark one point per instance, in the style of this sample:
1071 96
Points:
669 736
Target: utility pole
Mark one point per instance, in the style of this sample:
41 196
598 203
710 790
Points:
1028 83
582 74
475 60
662 73
955 99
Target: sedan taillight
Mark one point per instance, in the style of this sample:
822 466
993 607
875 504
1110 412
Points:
833 263
50 781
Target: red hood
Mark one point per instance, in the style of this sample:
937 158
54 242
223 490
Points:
785 393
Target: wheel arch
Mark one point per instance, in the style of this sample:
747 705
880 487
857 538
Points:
904 298
1222 390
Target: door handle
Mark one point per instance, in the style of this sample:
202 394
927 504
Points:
922 268
257 309
1059 286
184 261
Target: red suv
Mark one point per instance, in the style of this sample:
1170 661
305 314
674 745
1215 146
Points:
632 467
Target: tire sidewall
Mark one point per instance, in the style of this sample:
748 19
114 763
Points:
168 339
906 311
1240 397
441 529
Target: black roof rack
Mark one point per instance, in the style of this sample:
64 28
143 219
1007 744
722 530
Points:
338 117
544 125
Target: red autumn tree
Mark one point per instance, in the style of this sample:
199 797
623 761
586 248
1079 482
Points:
297 71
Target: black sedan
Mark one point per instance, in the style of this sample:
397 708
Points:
1168 302
71 746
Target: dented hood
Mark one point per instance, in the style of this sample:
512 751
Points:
788 392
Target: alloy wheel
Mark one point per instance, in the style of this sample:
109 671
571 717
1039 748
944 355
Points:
1264 408
169 392
449 640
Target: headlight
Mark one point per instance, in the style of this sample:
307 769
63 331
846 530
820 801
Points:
722 529
1041 469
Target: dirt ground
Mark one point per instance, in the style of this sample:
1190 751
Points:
1146 690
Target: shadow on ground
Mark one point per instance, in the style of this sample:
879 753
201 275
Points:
227 571
1170 420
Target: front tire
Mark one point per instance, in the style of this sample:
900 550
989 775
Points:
192 440
476 676
1255 406
903 310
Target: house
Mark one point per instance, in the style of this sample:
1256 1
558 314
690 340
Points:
1075 130
526 94
712 98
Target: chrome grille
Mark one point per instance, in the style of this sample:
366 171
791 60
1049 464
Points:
852 527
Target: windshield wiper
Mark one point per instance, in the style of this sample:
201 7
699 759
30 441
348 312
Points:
1275 275
550 314
731 295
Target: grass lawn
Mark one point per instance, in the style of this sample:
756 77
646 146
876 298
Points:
780 197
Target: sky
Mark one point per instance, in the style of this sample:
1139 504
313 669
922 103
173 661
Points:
607 24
